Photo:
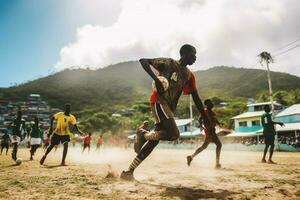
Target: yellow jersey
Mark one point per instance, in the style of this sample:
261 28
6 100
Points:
63 123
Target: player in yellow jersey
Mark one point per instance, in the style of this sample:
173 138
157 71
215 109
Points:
64 120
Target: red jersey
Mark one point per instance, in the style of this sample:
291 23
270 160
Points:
87 139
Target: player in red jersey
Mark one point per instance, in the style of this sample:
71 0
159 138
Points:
164 102
210 136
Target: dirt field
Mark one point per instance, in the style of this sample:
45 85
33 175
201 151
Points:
163 175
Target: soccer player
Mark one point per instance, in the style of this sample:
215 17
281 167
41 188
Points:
87 142
18 134
164 102
269 133
62 132
140 139
36 137
210 136
5 142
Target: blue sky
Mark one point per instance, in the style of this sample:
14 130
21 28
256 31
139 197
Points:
39 37
30 37
32 33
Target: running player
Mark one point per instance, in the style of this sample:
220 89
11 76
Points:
62 132
210 136
140 139
269 133
18 134
5 142
163 103
87 142
36 137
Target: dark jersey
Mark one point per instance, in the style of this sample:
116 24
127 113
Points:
268 124
181 79
5 139
18 126
36 132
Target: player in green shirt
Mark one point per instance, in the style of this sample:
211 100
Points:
268 133
36 137
18 134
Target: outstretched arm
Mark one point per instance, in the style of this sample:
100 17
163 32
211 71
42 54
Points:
279 123
200 108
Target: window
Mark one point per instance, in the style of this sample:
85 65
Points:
243 123
256 123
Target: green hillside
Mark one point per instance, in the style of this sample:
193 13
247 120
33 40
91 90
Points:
126 83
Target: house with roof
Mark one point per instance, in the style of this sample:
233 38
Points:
248 123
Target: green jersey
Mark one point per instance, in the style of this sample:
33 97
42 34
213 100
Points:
268 124
18 126
36 132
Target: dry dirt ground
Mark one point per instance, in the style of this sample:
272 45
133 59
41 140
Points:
163 175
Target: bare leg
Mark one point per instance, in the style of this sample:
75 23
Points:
265 153
65 151
271 154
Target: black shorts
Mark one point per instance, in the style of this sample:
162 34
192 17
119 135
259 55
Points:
5 145
269 139
57 139
161 112
86 145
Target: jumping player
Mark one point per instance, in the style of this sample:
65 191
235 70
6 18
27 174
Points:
210 136
18 134
163 103
36 137
140 139
5 142
62 132
269 133
87 142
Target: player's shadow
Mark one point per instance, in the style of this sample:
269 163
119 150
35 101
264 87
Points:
186 193
55 166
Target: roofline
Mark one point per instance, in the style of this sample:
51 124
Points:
263 103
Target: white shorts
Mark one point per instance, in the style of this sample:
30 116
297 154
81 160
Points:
15 139
35 141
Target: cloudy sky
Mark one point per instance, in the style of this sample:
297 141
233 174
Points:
41 37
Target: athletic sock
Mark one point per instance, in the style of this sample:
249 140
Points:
135 163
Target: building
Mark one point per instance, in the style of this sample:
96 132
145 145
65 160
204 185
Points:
248 123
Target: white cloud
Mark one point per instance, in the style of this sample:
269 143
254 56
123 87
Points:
225 32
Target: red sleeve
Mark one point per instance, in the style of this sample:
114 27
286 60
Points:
190 86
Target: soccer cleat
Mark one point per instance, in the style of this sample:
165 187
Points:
189 160
42 160
127 176
139 141
263 160
218 166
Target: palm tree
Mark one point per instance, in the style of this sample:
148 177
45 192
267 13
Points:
266 58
